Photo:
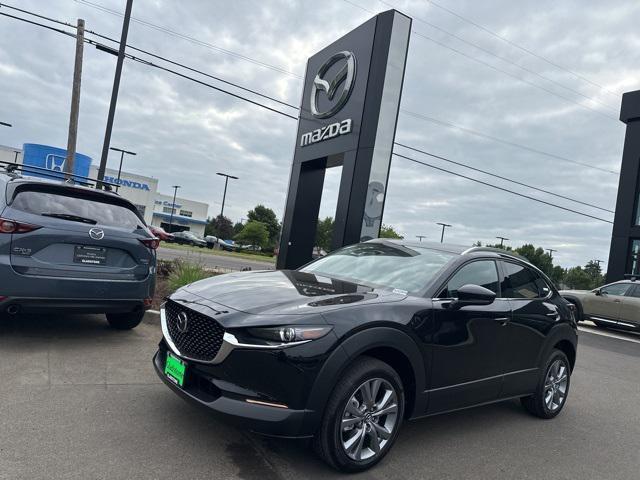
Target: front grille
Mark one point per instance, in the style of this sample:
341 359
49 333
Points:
202 338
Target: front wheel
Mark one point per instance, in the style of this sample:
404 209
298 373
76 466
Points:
553 387
362 417
125 321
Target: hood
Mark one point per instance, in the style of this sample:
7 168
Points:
286 292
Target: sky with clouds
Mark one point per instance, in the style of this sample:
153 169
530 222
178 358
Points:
457 74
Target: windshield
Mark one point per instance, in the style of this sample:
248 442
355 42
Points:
382 265
76 209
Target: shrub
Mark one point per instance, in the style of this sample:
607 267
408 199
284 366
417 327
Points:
185 273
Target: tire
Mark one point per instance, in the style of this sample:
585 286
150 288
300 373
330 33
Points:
328 442
540 404
125 321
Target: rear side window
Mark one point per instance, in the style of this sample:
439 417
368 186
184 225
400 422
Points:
76 208
634 292
522 282
482 272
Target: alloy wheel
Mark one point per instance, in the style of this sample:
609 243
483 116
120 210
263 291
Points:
369 419
555 385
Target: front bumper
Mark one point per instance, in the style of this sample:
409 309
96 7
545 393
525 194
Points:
232 403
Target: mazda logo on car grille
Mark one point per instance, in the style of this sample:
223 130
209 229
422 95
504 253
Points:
345 77
96 233
182 323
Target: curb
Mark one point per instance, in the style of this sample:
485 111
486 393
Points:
152 316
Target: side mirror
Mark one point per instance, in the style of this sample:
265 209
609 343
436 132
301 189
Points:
598 292
473 295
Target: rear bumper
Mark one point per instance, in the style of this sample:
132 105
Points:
234 408
71 305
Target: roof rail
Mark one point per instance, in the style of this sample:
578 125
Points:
11 168
499 251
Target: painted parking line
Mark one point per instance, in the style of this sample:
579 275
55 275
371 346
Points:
603 333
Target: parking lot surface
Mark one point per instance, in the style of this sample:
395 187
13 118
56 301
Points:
81 401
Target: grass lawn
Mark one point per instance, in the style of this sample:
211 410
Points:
217 252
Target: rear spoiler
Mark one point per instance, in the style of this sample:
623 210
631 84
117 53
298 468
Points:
71 178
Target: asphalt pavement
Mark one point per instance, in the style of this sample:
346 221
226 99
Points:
210 260
81 401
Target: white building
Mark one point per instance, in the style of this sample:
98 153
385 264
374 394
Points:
143 192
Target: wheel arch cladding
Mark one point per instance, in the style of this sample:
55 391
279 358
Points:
568 349
389 345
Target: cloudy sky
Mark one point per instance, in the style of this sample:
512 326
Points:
458 73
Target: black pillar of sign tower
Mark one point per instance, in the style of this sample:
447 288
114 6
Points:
624 256
348 117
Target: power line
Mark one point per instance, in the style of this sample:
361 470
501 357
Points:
186 67
502 177
505 142
524 49
493 67
505 59
58 30
146 62
43 17
191 39
501 188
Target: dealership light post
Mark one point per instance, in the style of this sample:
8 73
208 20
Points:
502 239
224 195
173 206
444 225
421 237
122 152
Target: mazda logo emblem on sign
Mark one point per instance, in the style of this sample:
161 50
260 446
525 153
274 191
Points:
96 233
183 322
345 77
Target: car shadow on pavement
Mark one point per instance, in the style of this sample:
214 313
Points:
58 325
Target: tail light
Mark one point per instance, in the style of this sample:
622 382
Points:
11 226
147 302
151 243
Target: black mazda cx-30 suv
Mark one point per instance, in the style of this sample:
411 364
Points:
348 347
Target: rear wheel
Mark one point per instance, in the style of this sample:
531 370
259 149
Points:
125 321
553 387
362 418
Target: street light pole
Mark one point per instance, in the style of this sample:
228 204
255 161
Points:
421 237
224 195
550 250
173 206
444 225
122 152
15 159
502 239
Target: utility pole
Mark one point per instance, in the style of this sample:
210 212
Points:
114 93
550 250
421 237
226 181
173 207
502 239
75 101
122 152
444 225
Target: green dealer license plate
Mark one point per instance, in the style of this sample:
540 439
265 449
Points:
174 369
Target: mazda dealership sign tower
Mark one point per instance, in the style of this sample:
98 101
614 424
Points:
348 117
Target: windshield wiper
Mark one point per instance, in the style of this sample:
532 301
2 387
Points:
71 218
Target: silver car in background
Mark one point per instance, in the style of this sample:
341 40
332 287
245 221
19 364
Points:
74 249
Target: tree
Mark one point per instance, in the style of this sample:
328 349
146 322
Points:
593 270
577 278
254 233
220 227
557 274
537 257
267 217
387 231
237 228
324 234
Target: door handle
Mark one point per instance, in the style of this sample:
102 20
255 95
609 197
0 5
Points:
616 301
503 320
554 315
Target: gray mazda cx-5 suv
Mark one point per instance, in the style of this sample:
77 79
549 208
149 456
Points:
74 249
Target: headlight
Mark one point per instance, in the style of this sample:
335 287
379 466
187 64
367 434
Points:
289 334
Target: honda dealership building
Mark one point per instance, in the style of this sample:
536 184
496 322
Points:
140 190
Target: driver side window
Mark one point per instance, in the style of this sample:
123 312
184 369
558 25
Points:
482 272
616 289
